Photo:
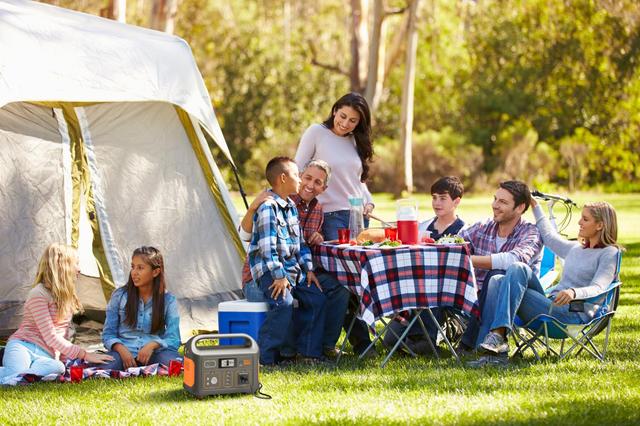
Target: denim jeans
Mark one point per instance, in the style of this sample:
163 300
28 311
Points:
334 221
359 337
337 301
519 292
159 356
470 336
25 357
309 319
276 331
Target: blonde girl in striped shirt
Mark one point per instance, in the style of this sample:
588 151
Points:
42 338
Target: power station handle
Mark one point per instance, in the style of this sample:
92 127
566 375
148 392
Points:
196 339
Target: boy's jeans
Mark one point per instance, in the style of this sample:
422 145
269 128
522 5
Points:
302 330
276 329
26 357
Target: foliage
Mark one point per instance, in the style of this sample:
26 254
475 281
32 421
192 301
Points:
435 153
549 91
568 68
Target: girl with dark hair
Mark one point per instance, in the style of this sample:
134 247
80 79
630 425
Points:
142 325
344 142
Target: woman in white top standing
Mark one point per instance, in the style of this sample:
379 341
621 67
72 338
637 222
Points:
344 142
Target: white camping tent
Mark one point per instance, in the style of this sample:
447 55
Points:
103 145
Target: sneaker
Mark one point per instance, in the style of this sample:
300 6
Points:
489 361
310 361
495 343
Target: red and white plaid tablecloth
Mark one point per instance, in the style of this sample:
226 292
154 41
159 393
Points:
394 280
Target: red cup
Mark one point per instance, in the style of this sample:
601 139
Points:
391 233
76 373
175 368
343 235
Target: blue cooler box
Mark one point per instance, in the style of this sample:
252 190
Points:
240 316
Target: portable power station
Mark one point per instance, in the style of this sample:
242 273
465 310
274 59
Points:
217 369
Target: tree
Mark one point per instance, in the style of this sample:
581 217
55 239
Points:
406 118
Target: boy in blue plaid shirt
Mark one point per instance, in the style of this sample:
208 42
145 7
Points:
280 263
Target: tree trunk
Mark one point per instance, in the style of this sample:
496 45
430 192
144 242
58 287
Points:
116 9
163 13
407 94
377 51
359 44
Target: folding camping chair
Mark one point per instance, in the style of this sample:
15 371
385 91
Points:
543 327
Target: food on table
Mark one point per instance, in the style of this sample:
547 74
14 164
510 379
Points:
427 240
367 243
390 243
375 235
451 239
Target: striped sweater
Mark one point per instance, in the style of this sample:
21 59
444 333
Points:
40 325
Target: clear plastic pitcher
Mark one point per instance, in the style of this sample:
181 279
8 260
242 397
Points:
407 216
356 220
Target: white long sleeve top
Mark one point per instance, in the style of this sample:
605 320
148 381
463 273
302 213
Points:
320 143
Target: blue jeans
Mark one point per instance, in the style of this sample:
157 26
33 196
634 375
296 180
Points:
21 357
276 331
470 336
159 356
337 301
309 319
519 292
359 337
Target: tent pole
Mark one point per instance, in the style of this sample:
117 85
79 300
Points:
244 195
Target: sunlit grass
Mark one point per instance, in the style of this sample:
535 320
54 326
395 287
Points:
407 391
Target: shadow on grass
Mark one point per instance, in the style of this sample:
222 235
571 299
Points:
179 395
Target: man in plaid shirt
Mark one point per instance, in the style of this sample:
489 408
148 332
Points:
311 337
500 242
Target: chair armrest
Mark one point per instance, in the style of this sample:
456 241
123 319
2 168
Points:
610 288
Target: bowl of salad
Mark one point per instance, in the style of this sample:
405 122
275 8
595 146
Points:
451 240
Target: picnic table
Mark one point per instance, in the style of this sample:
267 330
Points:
388 281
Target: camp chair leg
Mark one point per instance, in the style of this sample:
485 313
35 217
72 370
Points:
606 339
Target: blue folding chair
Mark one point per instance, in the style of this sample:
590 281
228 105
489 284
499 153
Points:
542 328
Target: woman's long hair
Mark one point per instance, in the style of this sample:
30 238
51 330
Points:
152 257
604 213
57 273
362 132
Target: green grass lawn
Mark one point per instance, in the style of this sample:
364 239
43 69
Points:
406 391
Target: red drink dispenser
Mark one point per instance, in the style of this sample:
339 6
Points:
407 216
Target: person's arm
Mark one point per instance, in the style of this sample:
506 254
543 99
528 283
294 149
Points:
246 224
112 321
38 308
528 246
170 338
265 226
367 200
306 148
607 265
550 236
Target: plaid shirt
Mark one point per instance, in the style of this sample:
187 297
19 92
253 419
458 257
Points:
524 243
276 247
310 217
